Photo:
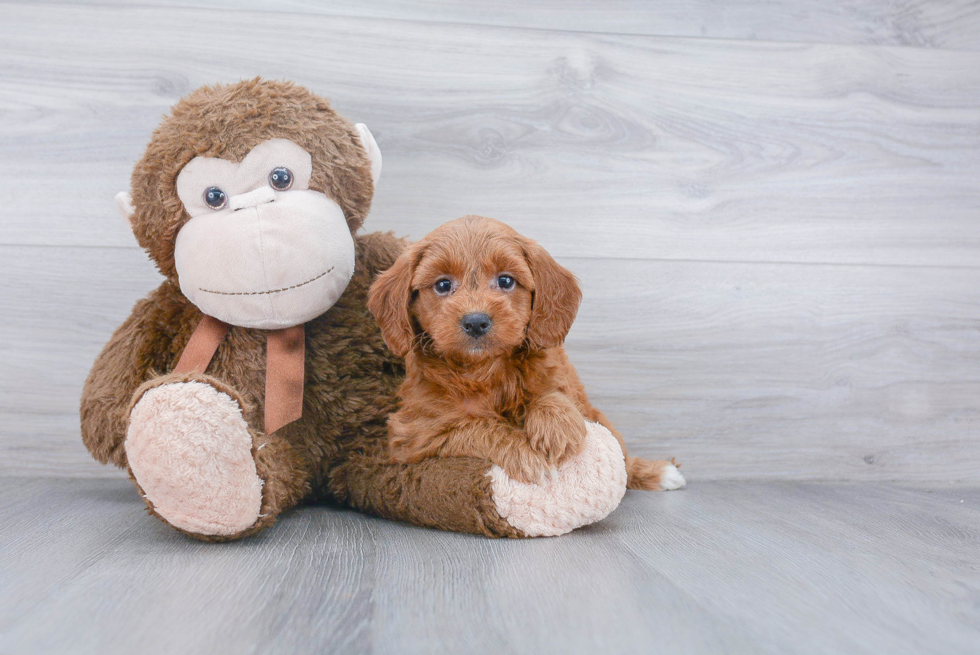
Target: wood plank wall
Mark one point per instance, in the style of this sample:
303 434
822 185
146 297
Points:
774 207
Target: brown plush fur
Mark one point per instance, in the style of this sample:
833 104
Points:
510 395
338 450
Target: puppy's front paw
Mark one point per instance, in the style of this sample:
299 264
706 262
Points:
523 464
555 428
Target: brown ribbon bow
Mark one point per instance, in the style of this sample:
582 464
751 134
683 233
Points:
285 361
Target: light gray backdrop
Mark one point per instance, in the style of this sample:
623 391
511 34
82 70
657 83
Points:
774 210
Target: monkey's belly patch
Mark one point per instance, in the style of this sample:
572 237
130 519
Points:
262 293
191 452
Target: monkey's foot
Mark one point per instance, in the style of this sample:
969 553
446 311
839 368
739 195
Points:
190 451
583 490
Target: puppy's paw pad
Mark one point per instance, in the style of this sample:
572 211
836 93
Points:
671 479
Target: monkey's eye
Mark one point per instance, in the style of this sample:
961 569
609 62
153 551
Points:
505 282
443 286
281 178
215 198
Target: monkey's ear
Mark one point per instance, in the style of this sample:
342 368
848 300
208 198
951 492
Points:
389 299
124 202
555 301
372 149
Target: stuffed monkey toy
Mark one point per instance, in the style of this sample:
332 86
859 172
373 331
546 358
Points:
254 377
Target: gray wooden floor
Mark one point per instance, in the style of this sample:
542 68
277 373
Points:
724 567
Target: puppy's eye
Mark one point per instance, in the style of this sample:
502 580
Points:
505 282
281 178
442 287
215 198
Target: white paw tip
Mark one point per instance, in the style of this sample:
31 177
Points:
672 479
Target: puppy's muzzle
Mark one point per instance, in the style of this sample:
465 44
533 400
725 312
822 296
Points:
476 325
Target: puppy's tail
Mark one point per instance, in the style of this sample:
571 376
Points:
653 475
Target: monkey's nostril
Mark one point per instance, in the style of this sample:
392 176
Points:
476 325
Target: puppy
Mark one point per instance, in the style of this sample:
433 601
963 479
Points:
480 314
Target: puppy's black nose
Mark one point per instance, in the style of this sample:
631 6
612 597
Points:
476 325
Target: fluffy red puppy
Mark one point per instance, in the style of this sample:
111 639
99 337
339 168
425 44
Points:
480 314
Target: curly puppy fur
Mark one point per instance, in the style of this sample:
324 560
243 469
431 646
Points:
481 312
338 450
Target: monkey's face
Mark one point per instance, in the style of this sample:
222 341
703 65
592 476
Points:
261 249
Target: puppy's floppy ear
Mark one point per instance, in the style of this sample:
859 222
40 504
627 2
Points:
389 298
555 301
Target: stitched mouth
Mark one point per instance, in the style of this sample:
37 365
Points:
262 293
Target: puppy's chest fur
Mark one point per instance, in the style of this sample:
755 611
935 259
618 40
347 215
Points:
501 388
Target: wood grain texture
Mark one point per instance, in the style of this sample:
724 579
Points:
739 370
919 23
784 568
613 146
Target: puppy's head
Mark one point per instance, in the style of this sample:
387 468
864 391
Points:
478 289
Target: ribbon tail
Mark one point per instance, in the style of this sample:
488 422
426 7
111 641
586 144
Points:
285 377
200 349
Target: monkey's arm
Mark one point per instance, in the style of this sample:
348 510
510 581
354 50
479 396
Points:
133 355
448 493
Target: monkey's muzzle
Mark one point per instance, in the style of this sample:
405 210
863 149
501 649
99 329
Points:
266 265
